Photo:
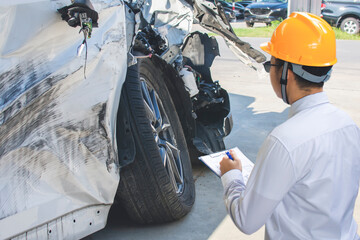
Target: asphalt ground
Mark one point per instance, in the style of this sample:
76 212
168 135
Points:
256 111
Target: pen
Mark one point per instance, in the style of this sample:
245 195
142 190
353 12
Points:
229 155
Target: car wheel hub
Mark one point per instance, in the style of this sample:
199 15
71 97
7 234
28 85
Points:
163 135
350 27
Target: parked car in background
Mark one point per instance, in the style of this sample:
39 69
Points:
229 13
239 11
236 10
344 14
265 11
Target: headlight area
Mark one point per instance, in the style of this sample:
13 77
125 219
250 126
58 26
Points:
278 14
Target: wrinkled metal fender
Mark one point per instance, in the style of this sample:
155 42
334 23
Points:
57 145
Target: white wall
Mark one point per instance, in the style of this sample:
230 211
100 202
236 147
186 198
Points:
312 6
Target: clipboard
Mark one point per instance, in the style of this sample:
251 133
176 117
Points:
212 161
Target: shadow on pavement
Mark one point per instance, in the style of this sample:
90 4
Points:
208 213
250 128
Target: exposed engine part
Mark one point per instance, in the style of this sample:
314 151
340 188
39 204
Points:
81 13
72 13
209 94
149 41
188 77
211 103
171 54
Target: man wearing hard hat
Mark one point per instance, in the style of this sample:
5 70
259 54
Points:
306 176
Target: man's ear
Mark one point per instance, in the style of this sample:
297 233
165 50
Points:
291 77
291 86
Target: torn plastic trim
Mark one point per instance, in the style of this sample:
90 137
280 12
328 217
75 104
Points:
199 52
213 120
211 106
206 136
124 136
228 124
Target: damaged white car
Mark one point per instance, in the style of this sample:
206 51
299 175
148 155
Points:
102 100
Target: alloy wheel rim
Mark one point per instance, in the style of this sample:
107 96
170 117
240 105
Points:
164 135
350 27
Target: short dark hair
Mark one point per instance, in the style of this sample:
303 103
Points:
303 83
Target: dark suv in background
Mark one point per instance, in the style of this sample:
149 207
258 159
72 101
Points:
265 11
344 14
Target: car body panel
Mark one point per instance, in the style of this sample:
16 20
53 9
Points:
58 150
336 11
57 127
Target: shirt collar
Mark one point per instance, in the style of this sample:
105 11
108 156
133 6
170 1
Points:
308 101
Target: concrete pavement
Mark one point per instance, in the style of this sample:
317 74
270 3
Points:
256 111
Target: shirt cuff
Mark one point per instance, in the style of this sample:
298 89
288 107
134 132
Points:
230 176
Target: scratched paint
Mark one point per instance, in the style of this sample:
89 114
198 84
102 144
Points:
57 144
57 128
58 152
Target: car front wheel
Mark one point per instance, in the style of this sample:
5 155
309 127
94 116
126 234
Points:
158 186
350 25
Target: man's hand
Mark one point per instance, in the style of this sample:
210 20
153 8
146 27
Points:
227 164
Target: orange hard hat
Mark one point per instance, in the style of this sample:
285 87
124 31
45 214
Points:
304 39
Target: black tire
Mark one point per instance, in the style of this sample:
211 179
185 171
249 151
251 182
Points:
350 25
150 190
249 24
268 24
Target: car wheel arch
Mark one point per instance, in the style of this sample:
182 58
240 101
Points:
181 100
342 18
179 95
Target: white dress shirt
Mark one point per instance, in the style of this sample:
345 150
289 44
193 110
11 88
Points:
305 179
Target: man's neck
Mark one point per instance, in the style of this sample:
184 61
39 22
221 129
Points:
303 93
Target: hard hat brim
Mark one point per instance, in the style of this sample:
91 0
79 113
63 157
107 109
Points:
265 47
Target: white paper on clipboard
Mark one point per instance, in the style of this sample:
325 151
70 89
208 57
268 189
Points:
213 162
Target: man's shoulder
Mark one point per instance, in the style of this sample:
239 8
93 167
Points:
309 124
